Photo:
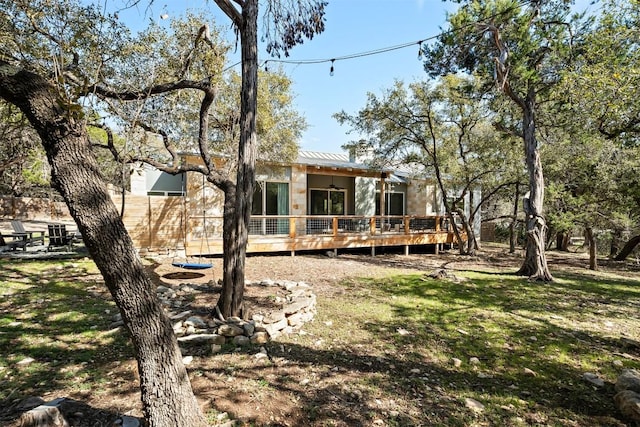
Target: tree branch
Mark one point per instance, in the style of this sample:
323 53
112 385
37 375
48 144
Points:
231 11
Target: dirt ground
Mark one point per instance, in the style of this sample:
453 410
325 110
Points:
240 386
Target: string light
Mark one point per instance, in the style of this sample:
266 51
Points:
384 49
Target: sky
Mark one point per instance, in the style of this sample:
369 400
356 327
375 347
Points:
352 27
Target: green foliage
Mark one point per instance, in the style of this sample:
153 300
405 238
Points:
601 85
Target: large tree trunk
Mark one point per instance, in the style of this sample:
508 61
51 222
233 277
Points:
513 237
231 300
535 261
593 250
166 391
628 248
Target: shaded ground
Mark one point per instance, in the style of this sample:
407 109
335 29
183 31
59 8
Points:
328 376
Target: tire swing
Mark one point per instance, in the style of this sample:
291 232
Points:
199 265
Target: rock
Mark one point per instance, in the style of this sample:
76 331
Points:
629 379
180 316
296 319
127 421
241 340
456 362
474 361
529 372
297 305
289 285
533 338
473 404
29 403
163 289
44 415
274 328
230 330
274 317
215 348
259 338
202 338
268 282
26 361
593 379
196 321
187 360
628 402
249 328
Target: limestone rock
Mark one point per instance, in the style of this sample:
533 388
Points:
274 328
628 402
593 379
628 380
203 338
473 404
230 330
259 338
274 317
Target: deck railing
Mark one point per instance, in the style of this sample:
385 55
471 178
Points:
326 225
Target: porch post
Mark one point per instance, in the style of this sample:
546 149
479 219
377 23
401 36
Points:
292 227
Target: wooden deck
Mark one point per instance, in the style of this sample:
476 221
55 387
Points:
309 233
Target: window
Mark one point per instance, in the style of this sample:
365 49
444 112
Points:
394 203
270 199
327 202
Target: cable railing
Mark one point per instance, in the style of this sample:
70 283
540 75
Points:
324 225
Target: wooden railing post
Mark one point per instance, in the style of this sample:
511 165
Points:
407 223
292 227
437 223
335 225
372 225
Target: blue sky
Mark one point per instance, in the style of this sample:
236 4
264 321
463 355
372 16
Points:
352 27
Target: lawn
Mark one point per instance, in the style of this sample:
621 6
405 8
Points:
478 348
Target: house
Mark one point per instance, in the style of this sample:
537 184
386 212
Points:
322 201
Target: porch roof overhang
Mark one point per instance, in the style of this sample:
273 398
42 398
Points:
338 164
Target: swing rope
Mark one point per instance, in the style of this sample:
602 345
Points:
199 265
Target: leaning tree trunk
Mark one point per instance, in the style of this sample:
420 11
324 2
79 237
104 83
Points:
593 252
231 301
535 261
628 248
166 391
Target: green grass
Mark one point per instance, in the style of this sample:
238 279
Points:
415 325
379 349
53 330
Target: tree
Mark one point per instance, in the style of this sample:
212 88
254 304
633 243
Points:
44 43
23 169
288 22
44 100
444 129
600 88
164 109
518 49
